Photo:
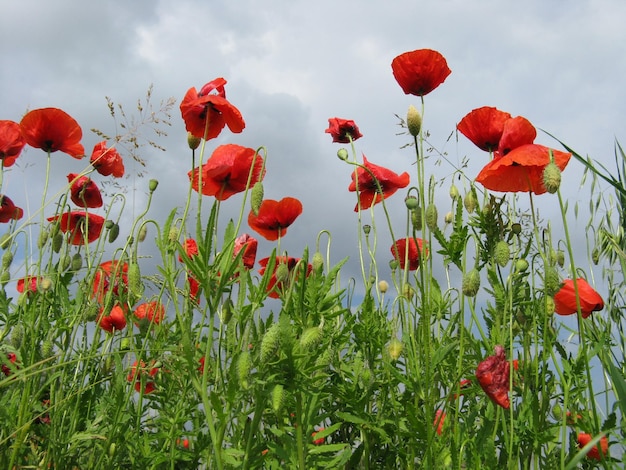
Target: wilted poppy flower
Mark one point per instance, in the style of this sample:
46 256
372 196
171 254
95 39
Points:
52 129
275 286
138 372
249 246
521 169
440 417
80 225
149 312
84 192
594 452
227 171
319 441
565 298
275 217
210 111
8 210
420 72
484 127
493 377
343 131
368 190
517 131
414 255
11 142
110 275
11 362
114 320
107 161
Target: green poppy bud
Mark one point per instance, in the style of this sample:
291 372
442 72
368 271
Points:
431 217
552 283
448 218
282 272
270 341
5 240
560 258
310 337
57 242
243 368
470 201
135 286
7 259
227 311
416 218
521 265
383 286
45 284
550 306
367 229
47 349
256 197
317 262
471 283
408 291
454 192
278 395
193 141
43 238
17 336
5 277
413 121
342 154
114 232
77 262
516 228
143 232
393 264
501 253
394 348
411 203
152 185
552 177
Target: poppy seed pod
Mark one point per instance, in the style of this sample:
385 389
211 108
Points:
471 283
367 229
413 121
552 177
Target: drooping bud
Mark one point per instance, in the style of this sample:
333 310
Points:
550 306
342 154
454 192
5 240
431 216
227 311
57 242
393 264
43 238
143 232
256 197
383 286
560 258
152 185
471 283
411 203
135 287
317 263
45 284
413 121
193 141
5 277
172 236
7 259
470 201
449 217
394 348
521 265
17 336
501 253
416 218
114 231
77 262
408 291
552 177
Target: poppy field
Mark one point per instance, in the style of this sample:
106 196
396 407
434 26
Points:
491 337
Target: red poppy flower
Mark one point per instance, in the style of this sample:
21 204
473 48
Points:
275 217
110 275
8 210
321 440
198 108
249 246
517 131
594 452
52 129
275 287
565 298
420 72
149 312
484 127
107 161
114 320
521 169
139 371
343 131
493 377
84 192
81 225
11 142
28 283
11 359
227 171
414 255
369 194
440 417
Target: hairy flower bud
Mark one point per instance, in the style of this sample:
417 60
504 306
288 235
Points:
454 192
270 341
449 217
431 217
5 240
227 311
367 229
152 185
114 232
416 218
278 395
516 228
317 262
143 232
256 197
135 287
342 154
310 337
383 286
471 283
551 281
193 141
501 253
7 259
411 203
77 262
470 201
560 258
243 368
413 121
550 306
5 277
45 283
552 177
57 242
521 265
44 235
282 272
394 348
408 291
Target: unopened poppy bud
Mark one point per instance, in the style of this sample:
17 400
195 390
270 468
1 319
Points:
471 283
595 256
416 219
413 121
270 341
470 202
227 311
551 281
193 141
310 337
407 291
114 231
57 242
45 284
431 217
367 229
243 368
342 154
143 232
5 277
393 264
172 236
126 344
7 259
43 238
108 224
317 262
448 218
5 240
47 349
77 262
256 197
501 253
65 262
282 272
383 286
550 306
17 336
552 177
135 287
394 348
152 185
454 192
521 265
560 258
557 412
411 203
278 395
516 228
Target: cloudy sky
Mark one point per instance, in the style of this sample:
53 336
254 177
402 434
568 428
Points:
291 65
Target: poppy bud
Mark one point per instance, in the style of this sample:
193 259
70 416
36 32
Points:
135 287
521 265
256 197
65 262
550 306
560 258
471 283
227 311
557 412
317 263
454 192
394 348
282 273
5 277
270 341
367 229
278 395
310 337
42 239
243 368
383 286
411 203
431 217
448 218
416 219
193 141
152 185
57 242
5 240
393 264
143 232
516 228
552 177
17 336
77 262
47 349
172 236
125 344
45 284
501 253
413 121
470 202
7 259
407 291
342 154
551 281
114 231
